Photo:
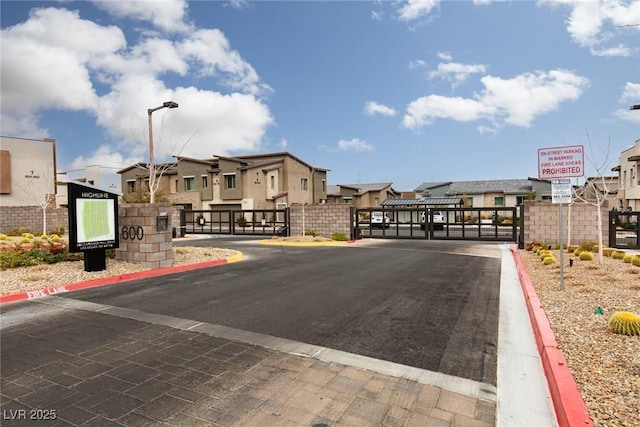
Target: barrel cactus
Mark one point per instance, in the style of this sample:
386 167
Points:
586 256
625 323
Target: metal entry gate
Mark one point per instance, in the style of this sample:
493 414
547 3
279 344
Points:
248 222
495 224
623 230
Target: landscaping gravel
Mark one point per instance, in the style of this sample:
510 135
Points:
606 366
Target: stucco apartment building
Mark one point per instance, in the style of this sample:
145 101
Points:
260 181
628 169
361 195
491 193
27 171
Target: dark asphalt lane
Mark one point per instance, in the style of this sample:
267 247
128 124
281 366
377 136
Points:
432 305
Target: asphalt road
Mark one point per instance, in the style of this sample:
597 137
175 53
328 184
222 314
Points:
428 304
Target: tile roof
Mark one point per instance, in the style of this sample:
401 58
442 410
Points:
508 186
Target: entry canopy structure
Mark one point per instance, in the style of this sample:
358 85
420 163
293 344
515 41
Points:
424 201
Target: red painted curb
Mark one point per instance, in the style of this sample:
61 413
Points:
107 281
567 401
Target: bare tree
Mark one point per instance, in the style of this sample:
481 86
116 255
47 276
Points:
34 195
155 171
595 191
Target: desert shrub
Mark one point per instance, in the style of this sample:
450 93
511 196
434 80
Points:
4 237
531 246
313 233
17 232
588 245
618 254
26 257
241 221
586 256
607 251
628 258
339 236
625 322
54 238
636 260
572 248
58 230
577 252
549 260
25 240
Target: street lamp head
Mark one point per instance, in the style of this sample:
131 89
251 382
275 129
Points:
635 107
170 104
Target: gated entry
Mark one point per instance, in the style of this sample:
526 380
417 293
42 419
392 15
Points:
256 221
439 223
623 230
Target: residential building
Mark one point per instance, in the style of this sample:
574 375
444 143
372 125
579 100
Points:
27 171
361 195
261 181
605 186
629 178
492 193
92 175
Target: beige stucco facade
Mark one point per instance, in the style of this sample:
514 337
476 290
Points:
27 171
267 181
629 178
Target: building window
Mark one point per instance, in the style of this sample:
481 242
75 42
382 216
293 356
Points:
146 184
498 201
376 202
205 181
230 181
175 188
348 200
273 182
189 183
519 200
303 184
324 185
131 186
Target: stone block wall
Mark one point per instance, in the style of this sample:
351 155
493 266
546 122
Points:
140 240
541 219
323 219
14 217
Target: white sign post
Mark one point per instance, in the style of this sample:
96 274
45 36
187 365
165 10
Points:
559 164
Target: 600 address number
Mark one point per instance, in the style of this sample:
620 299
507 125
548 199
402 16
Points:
132 233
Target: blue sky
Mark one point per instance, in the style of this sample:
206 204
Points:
375 91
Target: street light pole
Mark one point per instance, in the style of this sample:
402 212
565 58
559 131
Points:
152 165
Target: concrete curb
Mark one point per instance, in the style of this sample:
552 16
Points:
571 410
117 279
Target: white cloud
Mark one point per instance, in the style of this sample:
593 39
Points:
239 4
211 49
70 57
415 9
283 144
417 64
516 101
372 108
167 15
588 18
630 96
354 144
455 72
445 56
620 50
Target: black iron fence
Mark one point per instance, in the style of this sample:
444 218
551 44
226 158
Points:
623 230
498 224
235 222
